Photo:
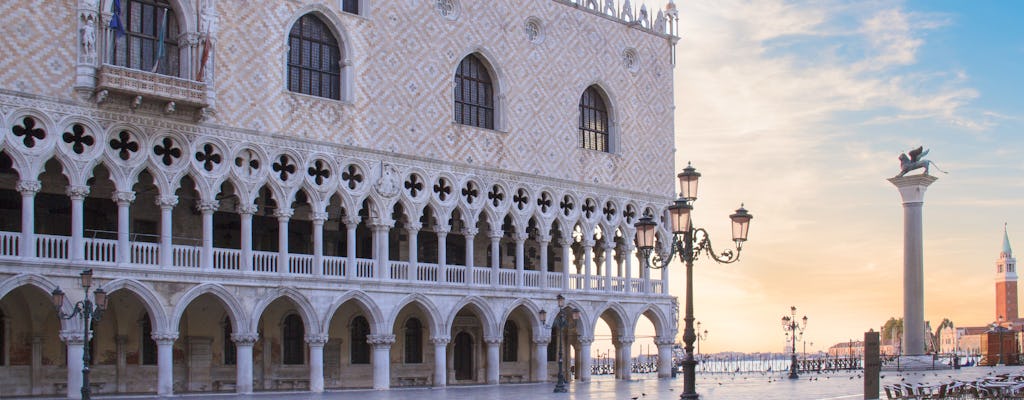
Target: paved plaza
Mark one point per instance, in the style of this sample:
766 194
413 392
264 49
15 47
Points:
824 386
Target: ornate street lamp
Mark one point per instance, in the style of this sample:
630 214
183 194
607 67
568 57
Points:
689 243
791 325
565 318
700 336
89 310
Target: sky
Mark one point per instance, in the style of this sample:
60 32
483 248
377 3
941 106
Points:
799 110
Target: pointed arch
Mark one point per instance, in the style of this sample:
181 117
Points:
430 310
657 317
239 319
624 323
308 312
47 286
149 298
364 302
478 305
533 315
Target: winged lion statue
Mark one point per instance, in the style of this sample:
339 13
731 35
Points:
916 160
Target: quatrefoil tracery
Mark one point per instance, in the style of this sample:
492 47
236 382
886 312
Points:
124 145
442 188
28 132
166 151
352 176
209 157
78 138
470 192
319 172
544 202
284 167
414 185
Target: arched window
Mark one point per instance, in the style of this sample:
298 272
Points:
150 41
593 121
510 342
292 340
358 348
230 351
314 59
148 344
413 341
474 94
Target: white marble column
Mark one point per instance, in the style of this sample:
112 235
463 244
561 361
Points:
243 361
283 216
624 358
520 239
381 250
318 242
165 362
469 234
588 260
495 236
627 252
77 195
566 243
912 189
609 258
493 359
539 361
664 357
413 231
644 274
75 342
584 368
28 190
207 208
440 360
124 248
316 362
245 212
166 204
545 241
351 222
381 360
442 252
665 272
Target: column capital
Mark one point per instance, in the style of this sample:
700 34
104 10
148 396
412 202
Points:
124 198
470 231
73 337
207 206
664 342
588 242
320 216
542 340
380 340
495 234
351 220
544 238
624 340
565 241
440 340
164 337
245 338
442 229
77 192
314 340
492 340
247 209
284 213
520 236
166 201
414 227
586 341
912 187
29 186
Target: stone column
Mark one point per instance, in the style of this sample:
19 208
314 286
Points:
166 204
283 215
207 208
664 357
245 212
36 377
584 368
544 241
316 362
469 233
588 260
566 243
243 361
493 359
28 190
124 248
381 360
495 236
165 361
351 222
539 367
912 189
413 231
627 250
520 238
318 242
624 358
380 250
121 342
442 252
644 274
77 195
665 255
440 360
608 260
75 342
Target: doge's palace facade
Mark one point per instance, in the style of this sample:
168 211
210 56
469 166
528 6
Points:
311 194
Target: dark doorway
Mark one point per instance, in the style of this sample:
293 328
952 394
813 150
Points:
463 356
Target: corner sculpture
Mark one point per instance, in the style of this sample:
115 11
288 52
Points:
915 161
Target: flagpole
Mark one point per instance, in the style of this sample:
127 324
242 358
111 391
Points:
161 35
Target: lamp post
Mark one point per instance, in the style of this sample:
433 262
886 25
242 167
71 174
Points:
791 325
689 243
89 310
565 318
700 336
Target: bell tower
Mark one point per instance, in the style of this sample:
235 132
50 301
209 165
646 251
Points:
1006 282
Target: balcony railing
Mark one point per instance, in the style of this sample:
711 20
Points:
152 85
104 251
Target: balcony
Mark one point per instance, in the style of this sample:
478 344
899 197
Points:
150 85
189 258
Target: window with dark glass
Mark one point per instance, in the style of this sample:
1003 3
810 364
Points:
314 59
141 47
292 340
350 6
148 344
413 341
593 121
230 351
510 342
474 94
359 349
553 346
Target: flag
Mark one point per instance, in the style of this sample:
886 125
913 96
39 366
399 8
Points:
161 32
115 20
201 75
